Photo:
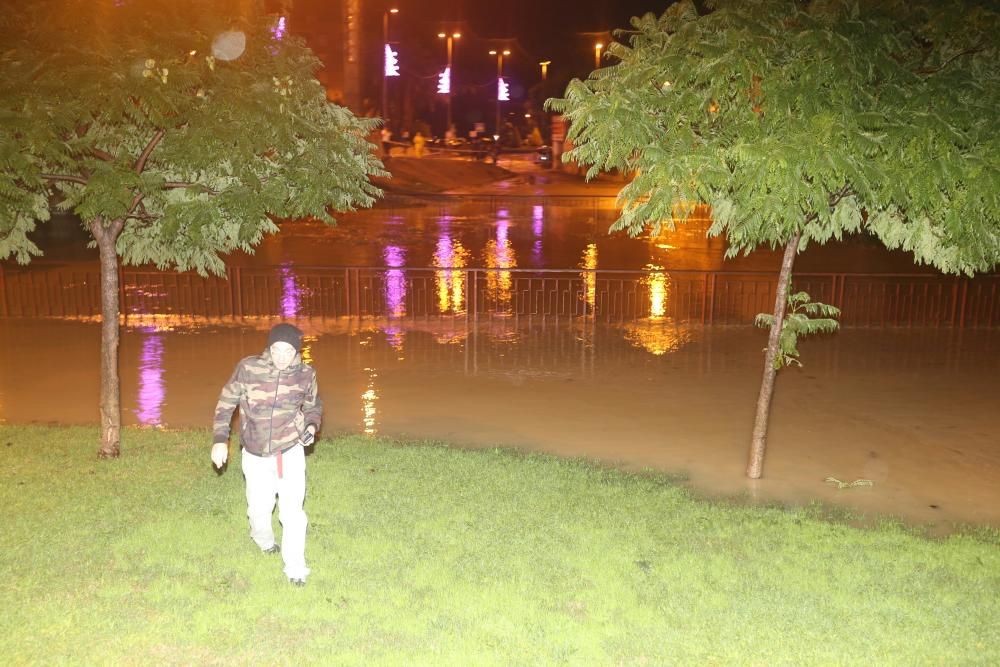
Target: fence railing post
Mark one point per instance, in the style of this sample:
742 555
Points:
961 310
3 293
122 306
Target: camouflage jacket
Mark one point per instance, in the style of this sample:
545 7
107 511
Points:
275 406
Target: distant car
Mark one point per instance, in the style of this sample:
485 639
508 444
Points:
440 143
483 146
543 157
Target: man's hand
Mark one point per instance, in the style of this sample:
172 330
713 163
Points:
220 454
308 436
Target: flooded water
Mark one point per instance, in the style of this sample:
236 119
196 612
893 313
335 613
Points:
913 411
549 233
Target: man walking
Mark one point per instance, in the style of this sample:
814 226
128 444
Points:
280 413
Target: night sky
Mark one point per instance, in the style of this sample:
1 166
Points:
563 31
540 25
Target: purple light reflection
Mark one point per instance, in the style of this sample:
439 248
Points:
503 228
151 387
395 281
537 225
291 295
278 31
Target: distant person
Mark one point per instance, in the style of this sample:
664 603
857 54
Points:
418 144
386 142
557 137
535 137
280 413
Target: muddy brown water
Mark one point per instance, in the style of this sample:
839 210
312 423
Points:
914 411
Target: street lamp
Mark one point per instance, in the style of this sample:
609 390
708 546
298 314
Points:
387 51
450 39
500 82
597 55
545 68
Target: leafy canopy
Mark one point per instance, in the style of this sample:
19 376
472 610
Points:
123 113
817 117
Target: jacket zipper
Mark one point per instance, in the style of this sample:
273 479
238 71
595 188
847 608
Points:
270 421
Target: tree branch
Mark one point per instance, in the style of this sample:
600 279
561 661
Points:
840 194
140 164
136 200
65 177
103 155
178 185
975 49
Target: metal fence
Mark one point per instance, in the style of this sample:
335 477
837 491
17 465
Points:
682 296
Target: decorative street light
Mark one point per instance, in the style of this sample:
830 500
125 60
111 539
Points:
503 92
390 66
545 68
597 55
450 39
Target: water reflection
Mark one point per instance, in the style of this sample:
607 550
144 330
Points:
589 263
499 254
395 281
291 295
152 391
657 337
395 295
658 283
657 334
449 282
537 226
368 399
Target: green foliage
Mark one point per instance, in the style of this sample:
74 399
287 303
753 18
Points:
86 88
799 321
824 117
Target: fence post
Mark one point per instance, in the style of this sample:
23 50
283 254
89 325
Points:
965 290
711 300
954 300
357 289
475 295
122 306
3 292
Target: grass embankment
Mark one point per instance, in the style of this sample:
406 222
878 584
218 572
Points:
434 175
424 555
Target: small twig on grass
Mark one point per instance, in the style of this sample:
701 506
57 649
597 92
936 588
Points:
848 485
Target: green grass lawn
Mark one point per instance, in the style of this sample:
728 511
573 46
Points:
425 555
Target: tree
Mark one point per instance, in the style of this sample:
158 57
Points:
177 132
800 121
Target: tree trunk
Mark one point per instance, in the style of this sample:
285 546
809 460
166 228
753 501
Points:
110 389
759 442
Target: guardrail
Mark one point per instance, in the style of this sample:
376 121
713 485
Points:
47 289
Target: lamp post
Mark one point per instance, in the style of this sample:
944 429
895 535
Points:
545 68
597 55
499 55
385 60
450 39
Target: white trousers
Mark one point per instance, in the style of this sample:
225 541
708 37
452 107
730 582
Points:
264 483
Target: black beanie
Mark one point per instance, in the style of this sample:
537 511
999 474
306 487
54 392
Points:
285 333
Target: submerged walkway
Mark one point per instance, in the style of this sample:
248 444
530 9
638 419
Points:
911 410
